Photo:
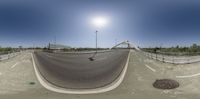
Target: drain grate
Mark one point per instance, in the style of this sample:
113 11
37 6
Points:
165 84
32 83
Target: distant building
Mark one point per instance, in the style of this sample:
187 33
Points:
58 46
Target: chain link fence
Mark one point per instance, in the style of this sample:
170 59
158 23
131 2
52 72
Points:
174 59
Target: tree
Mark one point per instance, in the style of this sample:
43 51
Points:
194 48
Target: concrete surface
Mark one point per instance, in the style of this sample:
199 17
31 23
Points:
14 83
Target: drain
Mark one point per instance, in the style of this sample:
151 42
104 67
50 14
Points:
32 83
165 84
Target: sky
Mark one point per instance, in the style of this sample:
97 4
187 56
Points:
69 22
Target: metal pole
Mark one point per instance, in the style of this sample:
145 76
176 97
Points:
55 43
156 56
96 40
33 47
93 57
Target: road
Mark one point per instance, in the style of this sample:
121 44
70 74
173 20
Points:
137 84
76 71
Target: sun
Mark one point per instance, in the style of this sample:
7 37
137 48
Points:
99 21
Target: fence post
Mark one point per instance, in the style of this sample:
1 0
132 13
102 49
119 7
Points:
149 55
8 55
163 58
156 56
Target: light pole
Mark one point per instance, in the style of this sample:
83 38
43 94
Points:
98 22
96 41
55 42
93 57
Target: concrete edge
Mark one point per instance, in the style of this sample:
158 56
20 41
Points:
54 88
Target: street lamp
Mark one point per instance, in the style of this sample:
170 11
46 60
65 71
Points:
96 40
93 57
98 22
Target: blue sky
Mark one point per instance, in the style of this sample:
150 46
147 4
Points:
146 24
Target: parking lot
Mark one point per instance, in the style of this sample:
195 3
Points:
18 80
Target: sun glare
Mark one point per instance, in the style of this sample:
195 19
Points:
99 22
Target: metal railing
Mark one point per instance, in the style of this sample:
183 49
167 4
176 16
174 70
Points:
9 55
172 58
